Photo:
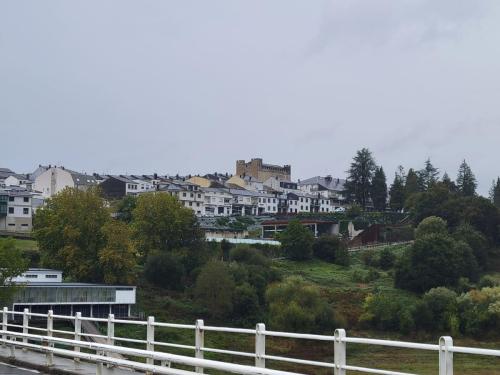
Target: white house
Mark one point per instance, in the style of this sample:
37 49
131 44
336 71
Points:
55 179
217 202
327 187
17 206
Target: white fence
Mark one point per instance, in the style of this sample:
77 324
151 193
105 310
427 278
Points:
18 335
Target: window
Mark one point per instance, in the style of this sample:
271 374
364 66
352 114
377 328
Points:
26 199
29 276
26 211
191 195
183 194
11 199
199 195
11 210
51 276
12 225
24 225
190 203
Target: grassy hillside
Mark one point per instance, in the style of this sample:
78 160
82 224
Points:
345 288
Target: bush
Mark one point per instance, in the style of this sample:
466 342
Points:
331 249
476 240
388 312
296 305
369 258
165 270
437 310
215 289
434 260
431 225
245 304
296 241
479 311
386 258
488 281
362 276
248 255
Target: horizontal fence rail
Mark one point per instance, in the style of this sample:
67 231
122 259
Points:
26 336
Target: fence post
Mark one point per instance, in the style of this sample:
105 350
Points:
260 345
445 355
4 323
50 327
339 352
110 333
78 332
25 326
199 342
150 339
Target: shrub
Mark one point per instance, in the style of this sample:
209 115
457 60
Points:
388 312
248 255
434 260
215 289
476 240
245 304
488 281
369 258
386 258
479 310
165 270
296 241
331 249
296 305
431 225
438 309
363 276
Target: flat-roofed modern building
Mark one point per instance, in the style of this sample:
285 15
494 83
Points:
42 290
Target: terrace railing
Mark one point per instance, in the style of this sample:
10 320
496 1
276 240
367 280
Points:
45 339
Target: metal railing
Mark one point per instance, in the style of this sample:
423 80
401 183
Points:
19 335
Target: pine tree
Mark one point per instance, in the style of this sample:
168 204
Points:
359 177
397 191
428 176
412 184
379 190
452 187
466 181
495 192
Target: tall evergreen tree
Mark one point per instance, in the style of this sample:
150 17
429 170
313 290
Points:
411 185
449 183
428 176
466 181
379 189
495 192
397 191
359 177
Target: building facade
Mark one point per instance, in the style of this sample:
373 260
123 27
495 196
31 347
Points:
17 206
257 169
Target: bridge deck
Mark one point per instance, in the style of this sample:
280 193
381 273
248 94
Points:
35 360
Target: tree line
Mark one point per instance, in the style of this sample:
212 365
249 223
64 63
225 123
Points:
366 183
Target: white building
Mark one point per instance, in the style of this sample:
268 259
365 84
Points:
17 206
326 187
55 179
43 290
190 195
267 204
19 180
217 202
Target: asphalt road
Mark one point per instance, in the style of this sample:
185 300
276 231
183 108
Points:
10 370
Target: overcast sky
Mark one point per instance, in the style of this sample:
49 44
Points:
185 86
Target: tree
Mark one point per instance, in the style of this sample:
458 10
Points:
165 270
215 289
476 240
296 305
296 241
379 190
12 264
331 249
434 260
359 179
428 176
69 233
397 191
160 222
495 193
411 185
431 225
446 181
125 208
466 181
117 258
